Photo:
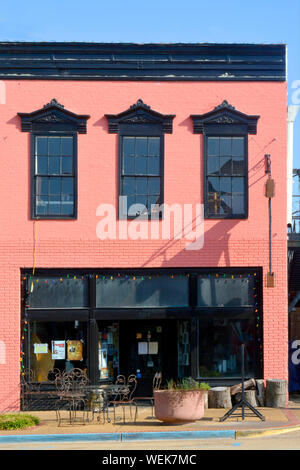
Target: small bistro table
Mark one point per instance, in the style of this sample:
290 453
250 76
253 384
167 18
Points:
98 398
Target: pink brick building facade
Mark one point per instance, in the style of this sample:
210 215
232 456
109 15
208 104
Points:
38 249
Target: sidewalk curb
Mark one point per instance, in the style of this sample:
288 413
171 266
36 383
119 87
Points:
170 435
266 432
124 437
146 436
60 437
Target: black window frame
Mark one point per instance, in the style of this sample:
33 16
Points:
225 132
140 121
141 131
225 121
50 121
34 176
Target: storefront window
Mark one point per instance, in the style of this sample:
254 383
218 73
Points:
59 345
220 341
225 290
58 292
142 291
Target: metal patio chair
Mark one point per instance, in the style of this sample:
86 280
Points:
28 387
72 395
123 395
156 384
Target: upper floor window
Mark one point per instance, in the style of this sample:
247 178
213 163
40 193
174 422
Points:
225 147
53 160
226 176
141 154
54 176
141 173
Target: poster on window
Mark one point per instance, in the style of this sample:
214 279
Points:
58 349
40 348
103 364
74 350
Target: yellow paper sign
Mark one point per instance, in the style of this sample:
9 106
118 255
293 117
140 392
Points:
74 350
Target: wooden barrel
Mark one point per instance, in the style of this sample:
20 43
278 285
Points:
276 393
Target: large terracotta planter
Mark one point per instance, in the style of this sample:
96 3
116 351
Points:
179 406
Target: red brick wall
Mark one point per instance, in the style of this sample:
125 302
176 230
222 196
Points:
68 244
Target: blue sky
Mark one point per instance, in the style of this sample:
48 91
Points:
257 21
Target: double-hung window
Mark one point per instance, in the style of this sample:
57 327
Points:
141 156
226 176
54 178
53 160
225 160
141 173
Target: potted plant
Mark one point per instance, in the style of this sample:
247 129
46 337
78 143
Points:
181 402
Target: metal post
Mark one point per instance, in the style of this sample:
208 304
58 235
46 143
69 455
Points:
243 380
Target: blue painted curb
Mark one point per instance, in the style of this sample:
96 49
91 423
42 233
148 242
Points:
61 437
125 437
149 436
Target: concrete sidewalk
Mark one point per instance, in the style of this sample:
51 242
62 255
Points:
148 428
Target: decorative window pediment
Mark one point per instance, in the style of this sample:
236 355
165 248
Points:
140 113
225 160
224 114
53 113
53 156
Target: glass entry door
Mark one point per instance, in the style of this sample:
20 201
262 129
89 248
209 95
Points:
147 347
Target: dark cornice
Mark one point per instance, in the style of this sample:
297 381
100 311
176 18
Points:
52 113
167 62
140 113
224 114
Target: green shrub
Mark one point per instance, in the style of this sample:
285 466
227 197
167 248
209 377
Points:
17 421
187 384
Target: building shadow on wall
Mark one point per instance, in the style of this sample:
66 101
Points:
215 247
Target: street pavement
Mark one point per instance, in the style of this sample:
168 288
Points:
290 441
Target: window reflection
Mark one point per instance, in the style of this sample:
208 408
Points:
141 174
156 291
220 341
225 171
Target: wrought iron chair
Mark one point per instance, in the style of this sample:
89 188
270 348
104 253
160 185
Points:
156 384
28 387
123 395
71 390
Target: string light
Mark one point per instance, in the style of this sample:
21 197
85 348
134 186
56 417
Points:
68 277
29 280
